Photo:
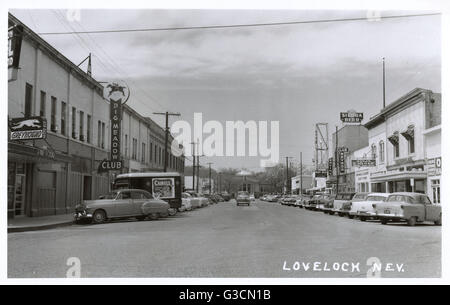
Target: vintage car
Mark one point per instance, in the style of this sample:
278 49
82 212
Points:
325 202
338 202
243 198
186 204
301 201
409 207
226 196
346 206
364 209
197 201
311 204
122 203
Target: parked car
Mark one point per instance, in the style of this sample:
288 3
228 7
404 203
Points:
312 203
252 197
273 198
197 201
339 201
409 207
186 204
226 196
243 198
364 209
301 201
346 205
122 203
324 202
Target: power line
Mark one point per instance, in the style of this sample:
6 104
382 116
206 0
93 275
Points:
238 25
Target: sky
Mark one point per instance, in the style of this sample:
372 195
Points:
298 74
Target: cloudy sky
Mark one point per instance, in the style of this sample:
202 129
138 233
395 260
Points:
295 74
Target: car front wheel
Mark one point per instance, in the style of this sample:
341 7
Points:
412 221
439 221
99 216
383 221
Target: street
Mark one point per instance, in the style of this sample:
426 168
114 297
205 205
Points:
225 240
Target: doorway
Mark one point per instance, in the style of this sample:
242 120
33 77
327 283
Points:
87 187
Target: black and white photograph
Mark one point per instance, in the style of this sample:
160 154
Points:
189 142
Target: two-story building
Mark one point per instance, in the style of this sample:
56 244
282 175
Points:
50 176
397 140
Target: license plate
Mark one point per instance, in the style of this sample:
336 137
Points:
387 211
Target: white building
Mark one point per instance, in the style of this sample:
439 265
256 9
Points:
398 143
433 164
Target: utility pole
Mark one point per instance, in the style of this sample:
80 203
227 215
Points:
166 142
300 191
198 171
209 164
287 174
336 154
193 165
384 86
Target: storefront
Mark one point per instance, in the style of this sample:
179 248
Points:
399 181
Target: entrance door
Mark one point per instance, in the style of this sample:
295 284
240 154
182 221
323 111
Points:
87 187
19 196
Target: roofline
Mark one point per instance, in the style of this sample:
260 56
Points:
30 34
392 107
143 175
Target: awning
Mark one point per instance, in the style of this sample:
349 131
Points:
397 176
393 138
409 133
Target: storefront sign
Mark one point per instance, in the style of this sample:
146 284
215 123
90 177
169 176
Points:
434 166
352 116
330 166
117 93
342 162
30 128
364 162
163 188
108 165
15 34
320 174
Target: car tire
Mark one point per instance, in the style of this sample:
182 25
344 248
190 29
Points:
439 221
172 212
153 216
412 221
331 213
141 218
362 218
350 216
383 221
99 216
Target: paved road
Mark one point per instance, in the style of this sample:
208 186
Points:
224 240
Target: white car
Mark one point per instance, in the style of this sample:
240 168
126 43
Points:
252 197
365 209
185 202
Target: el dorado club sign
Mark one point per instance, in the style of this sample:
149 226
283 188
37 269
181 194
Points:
117 93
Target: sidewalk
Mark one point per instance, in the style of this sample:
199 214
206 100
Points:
22 224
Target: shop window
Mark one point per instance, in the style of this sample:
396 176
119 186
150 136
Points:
394 139
436 189
99 133
143 153
103 135
408 134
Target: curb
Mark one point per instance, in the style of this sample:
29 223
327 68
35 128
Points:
39 227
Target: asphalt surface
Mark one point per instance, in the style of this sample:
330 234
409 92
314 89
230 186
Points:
225 240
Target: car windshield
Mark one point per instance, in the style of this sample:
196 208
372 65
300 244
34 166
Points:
399 198
111 195
242 194
376 198
360 196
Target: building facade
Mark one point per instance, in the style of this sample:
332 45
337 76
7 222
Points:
400 138
50 176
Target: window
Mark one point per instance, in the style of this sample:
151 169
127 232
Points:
126 145
53 114
74 122
88 133
143 153
381 151
63 118
99 134
42 105
103 135
134 150
411 148
373 151
436 189
28 99
150 153
81 126
156 159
